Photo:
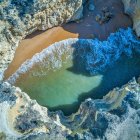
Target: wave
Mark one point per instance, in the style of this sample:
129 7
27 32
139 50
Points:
96 55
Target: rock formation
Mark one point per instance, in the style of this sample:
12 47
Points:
132 8
116 116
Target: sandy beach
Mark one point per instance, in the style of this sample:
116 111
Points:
87 27
36 43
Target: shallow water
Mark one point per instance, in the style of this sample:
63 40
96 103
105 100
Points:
68 86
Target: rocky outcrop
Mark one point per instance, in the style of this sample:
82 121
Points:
20 18
116 116
20 116
132 8
108 118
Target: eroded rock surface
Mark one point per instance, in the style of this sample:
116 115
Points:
116 116
20 18
132 8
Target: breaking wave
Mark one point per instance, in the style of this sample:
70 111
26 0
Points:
95 54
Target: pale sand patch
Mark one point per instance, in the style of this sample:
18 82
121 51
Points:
5 120
14 112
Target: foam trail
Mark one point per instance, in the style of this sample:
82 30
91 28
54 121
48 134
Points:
95 54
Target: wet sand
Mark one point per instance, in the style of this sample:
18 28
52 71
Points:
87 27
34 44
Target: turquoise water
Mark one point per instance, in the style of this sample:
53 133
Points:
68 86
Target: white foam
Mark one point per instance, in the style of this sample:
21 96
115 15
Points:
95 54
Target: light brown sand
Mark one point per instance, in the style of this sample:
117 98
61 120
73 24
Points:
87 28
32 45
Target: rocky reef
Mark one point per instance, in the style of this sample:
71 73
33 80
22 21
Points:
116 116
132 8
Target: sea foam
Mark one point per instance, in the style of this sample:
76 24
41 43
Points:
95 54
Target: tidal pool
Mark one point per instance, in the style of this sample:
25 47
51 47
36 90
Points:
65 88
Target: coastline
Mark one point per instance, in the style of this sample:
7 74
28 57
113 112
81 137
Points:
30 46
113 116
40 40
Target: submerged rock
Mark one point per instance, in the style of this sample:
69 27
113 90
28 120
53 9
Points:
105 16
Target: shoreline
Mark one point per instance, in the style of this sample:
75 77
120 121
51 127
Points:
30 46
85 28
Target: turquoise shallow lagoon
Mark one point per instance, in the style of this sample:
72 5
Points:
67 87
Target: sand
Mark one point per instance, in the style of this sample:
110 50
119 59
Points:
32 45
87 27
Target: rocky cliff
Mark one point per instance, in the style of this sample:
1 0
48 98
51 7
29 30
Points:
132 8
116 116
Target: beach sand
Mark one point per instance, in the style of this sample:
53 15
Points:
87 27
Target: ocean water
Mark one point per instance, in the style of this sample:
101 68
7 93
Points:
67 72
67 87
